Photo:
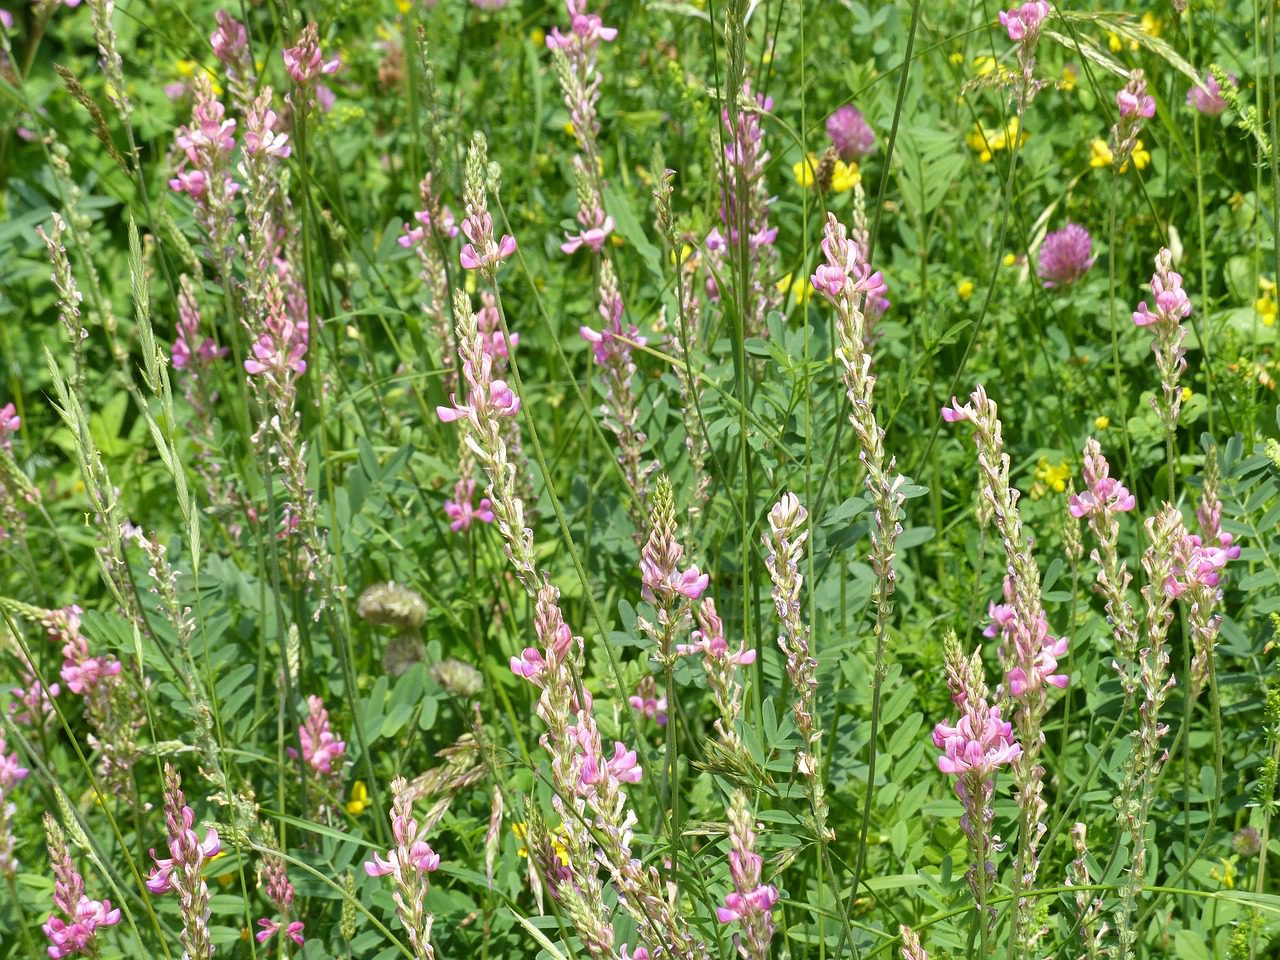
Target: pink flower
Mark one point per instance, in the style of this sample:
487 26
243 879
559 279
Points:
9 424
77 937
501 402
850 134
1206 97
981 742
460 511
320 748
739 906
593 238
474 259
1065 256
1102 493
529 664
269 928
1133 100
1023 23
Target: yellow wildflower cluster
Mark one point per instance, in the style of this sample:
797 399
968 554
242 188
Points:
1050 477
800 288
990 67
557 842
1150 25
964 289
1265 306
844 176
1100 155
987 142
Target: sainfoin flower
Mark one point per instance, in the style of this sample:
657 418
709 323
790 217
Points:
1102 492
320 748
77 933
304 61
460 511
1023 23
850 133
1065 256
269 928
9 423
182 870
1206 96
408 863
751 903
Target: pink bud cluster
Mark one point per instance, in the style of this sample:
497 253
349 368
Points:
977 746
661 576
1172 306
408 863
579 76
482 253
304 61
1135 105
182 871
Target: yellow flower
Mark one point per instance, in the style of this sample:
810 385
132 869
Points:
1010 259
557 843
1265 307
1069 76
768 56
964 289
1113 42
1141 158
568 128
1265 285
404 6
982 66
1151 25
224 880
359 799
1054 476
800 288
617 239
1226 876
686 252
957 58
987 141
804 171
1101 423
186 68
538 37
845 177
1100 154
1186 394
470 282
